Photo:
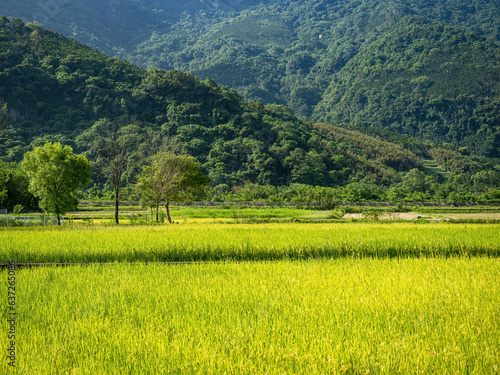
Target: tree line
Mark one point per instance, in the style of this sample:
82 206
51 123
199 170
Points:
55 174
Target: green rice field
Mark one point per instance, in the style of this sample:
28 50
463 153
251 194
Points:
352 316
244 242
294 298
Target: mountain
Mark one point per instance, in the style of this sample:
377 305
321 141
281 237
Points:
424 68
56 89
424 80
113 26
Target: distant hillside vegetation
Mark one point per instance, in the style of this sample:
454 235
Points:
424 80
412 67
56 88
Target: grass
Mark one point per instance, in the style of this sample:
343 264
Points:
387 316
431 167
246 242
180 213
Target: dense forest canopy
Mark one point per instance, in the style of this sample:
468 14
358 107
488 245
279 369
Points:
56 89
419 116
114 26
412 67
423 79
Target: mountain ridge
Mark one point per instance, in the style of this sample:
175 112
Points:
56 89
320 58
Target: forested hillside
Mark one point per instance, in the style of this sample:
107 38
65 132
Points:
422 68
56 89
425 80
114 27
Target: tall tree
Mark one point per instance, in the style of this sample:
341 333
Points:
170 177
55 174
113 146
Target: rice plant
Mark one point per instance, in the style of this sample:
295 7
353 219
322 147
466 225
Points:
387 316
247 242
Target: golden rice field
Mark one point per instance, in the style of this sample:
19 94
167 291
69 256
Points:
343 316
347 298
244 242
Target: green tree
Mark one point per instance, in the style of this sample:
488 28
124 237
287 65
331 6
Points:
414 181
14 183
170 177
113 145
55 174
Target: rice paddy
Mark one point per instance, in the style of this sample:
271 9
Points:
409 316
246 242
324 298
